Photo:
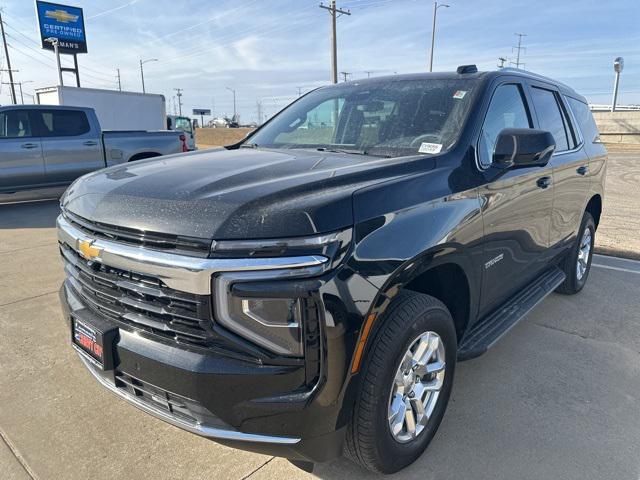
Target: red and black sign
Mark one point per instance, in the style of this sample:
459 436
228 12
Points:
96 341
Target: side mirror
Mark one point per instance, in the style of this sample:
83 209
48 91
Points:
523 147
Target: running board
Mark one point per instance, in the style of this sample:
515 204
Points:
490 329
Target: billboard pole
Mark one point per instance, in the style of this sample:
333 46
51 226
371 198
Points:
6 54
75 66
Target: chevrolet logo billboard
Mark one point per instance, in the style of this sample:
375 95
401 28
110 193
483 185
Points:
64 23
61 16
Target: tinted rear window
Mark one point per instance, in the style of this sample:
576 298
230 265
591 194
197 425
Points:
550 116
63 123
585 120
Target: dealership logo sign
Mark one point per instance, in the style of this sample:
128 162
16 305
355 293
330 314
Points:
61 16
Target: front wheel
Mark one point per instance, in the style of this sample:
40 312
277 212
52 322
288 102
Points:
405 385
577 263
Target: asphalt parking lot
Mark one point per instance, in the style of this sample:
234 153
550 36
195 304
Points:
557 398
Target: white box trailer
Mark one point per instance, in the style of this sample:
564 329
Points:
115 110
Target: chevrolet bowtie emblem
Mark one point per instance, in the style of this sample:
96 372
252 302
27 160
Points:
61 16
87 250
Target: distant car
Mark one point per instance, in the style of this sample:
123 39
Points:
51 146
309 290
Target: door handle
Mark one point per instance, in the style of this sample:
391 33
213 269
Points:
90 143
544 182
29 145
583 170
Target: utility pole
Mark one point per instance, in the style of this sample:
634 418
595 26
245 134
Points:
179 95
518 49
119 84
501 60
368 72
333 10
234 102
6 54
345 75
433 31
259 111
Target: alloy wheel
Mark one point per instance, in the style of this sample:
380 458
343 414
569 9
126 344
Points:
416 387
584 252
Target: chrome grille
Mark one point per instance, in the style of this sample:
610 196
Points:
157 241
138 300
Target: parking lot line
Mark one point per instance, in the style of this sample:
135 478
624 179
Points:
617 264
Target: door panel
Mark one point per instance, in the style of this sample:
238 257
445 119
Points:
70 147
516 218
21 163
517 204
570 164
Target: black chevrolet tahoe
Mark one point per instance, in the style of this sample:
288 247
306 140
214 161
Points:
307 292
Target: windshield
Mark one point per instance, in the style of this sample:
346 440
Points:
394 118
183 124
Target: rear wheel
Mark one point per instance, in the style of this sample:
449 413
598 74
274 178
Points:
577 263
407 380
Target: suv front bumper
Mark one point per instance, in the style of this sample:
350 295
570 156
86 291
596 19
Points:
204 394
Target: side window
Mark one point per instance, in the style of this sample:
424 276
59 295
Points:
507 110
585 120
63 123
550 116
15 124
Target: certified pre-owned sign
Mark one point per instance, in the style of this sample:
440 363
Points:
64 23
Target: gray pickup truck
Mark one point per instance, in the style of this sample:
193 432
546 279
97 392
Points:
50 146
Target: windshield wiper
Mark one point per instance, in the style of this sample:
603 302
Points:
249 145
352 152
341 150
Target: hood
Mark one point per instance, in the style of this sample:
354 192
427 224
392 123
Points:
231 194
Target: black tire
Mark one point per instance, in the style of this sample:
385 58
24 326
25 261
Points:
370 442
572 284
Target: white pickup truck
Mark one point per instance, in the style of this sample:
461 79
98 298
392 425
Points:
50 146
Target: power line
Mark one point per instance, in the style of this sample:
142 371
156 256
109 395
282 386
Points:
40 52
333 11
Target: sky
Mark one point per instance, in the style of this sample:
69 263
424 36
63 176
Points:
268 51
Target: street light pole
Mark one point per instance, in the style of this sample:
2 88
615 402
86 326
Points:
618 65
56 51
234 102
433 31
142 62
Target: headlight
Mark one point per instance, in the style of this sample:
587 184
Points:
275 320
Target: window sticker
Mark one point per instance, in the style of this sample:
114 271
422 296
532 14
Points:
432 148
459 94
